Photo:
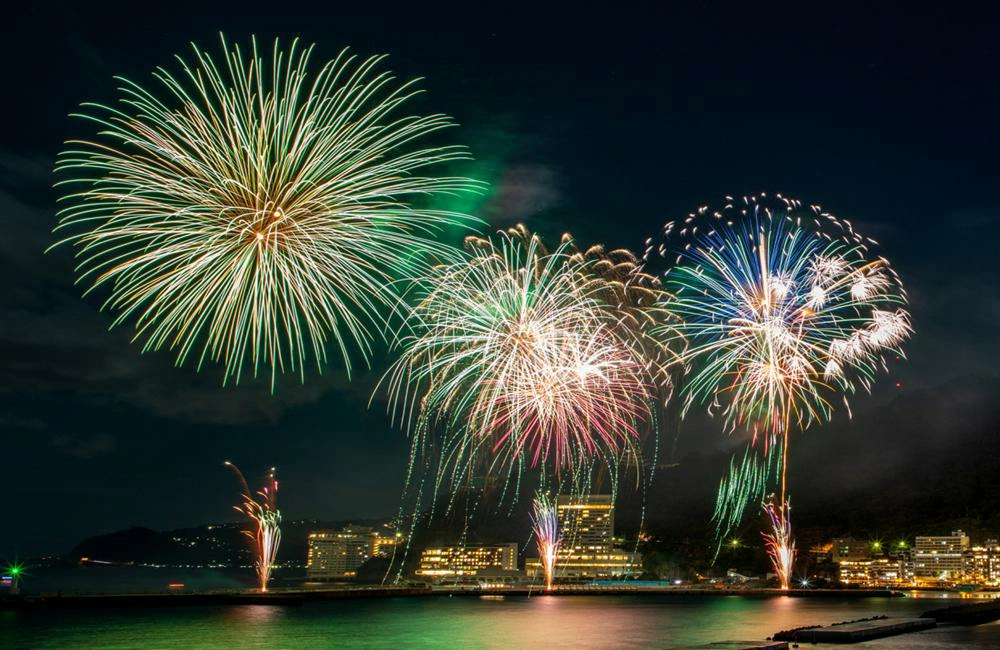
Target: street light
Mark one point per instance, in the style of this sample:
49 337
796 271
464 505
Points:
14 571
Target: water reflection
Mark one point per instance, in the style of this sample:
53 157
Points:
460 622
939 595
252 614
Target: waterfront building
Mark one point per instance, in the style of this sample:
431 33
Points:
733 576
848 548
587 523
821 553
587 551
461 563
932 560
905 558
981 564
385 544
976 565
613 564
940 558
871 572
993 546
337 554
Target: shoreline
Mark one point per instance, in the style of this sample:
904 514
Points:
297 597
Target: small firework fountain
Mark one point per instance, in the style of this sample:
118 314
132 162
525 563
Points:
262 509
778 542
545 524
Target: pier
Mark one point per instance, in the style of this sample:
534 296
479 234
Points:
856 631
740 645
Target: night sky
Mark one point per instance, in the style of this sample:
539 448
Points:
604 120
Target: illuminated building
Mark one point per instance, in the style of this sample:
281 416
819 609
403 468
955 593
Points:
460 563
848 548
940 558
981 564
611 564
976 565
384 545
994 550
871 572
821 552
587 526
863 563
931 561
904 556
337 554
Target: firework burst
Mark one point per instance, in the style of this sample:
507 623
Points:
638 298
784 308
251 212
262 509
517 361
545 524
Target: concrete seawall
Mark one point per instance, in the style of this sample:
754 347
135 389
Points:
855 631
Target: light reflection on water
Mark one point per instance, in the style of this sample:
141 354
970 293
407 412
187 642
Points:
459 622
256 615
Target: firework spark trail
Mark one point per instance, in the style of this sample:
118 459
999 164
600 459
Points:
545 524
262 509
254 213
783 307
745 485
779 543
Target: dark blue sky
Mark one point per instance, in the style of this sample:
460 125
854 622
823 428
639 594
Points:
607 120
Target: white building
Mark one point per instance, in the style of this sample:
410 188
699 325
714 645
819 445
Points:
940 558
337 554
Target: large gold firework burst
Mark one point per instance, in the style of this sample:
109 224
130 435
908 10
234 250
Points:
253 212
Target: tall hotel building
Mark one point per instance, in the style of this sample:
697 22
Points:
587 526
587 523
941 557
337 554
